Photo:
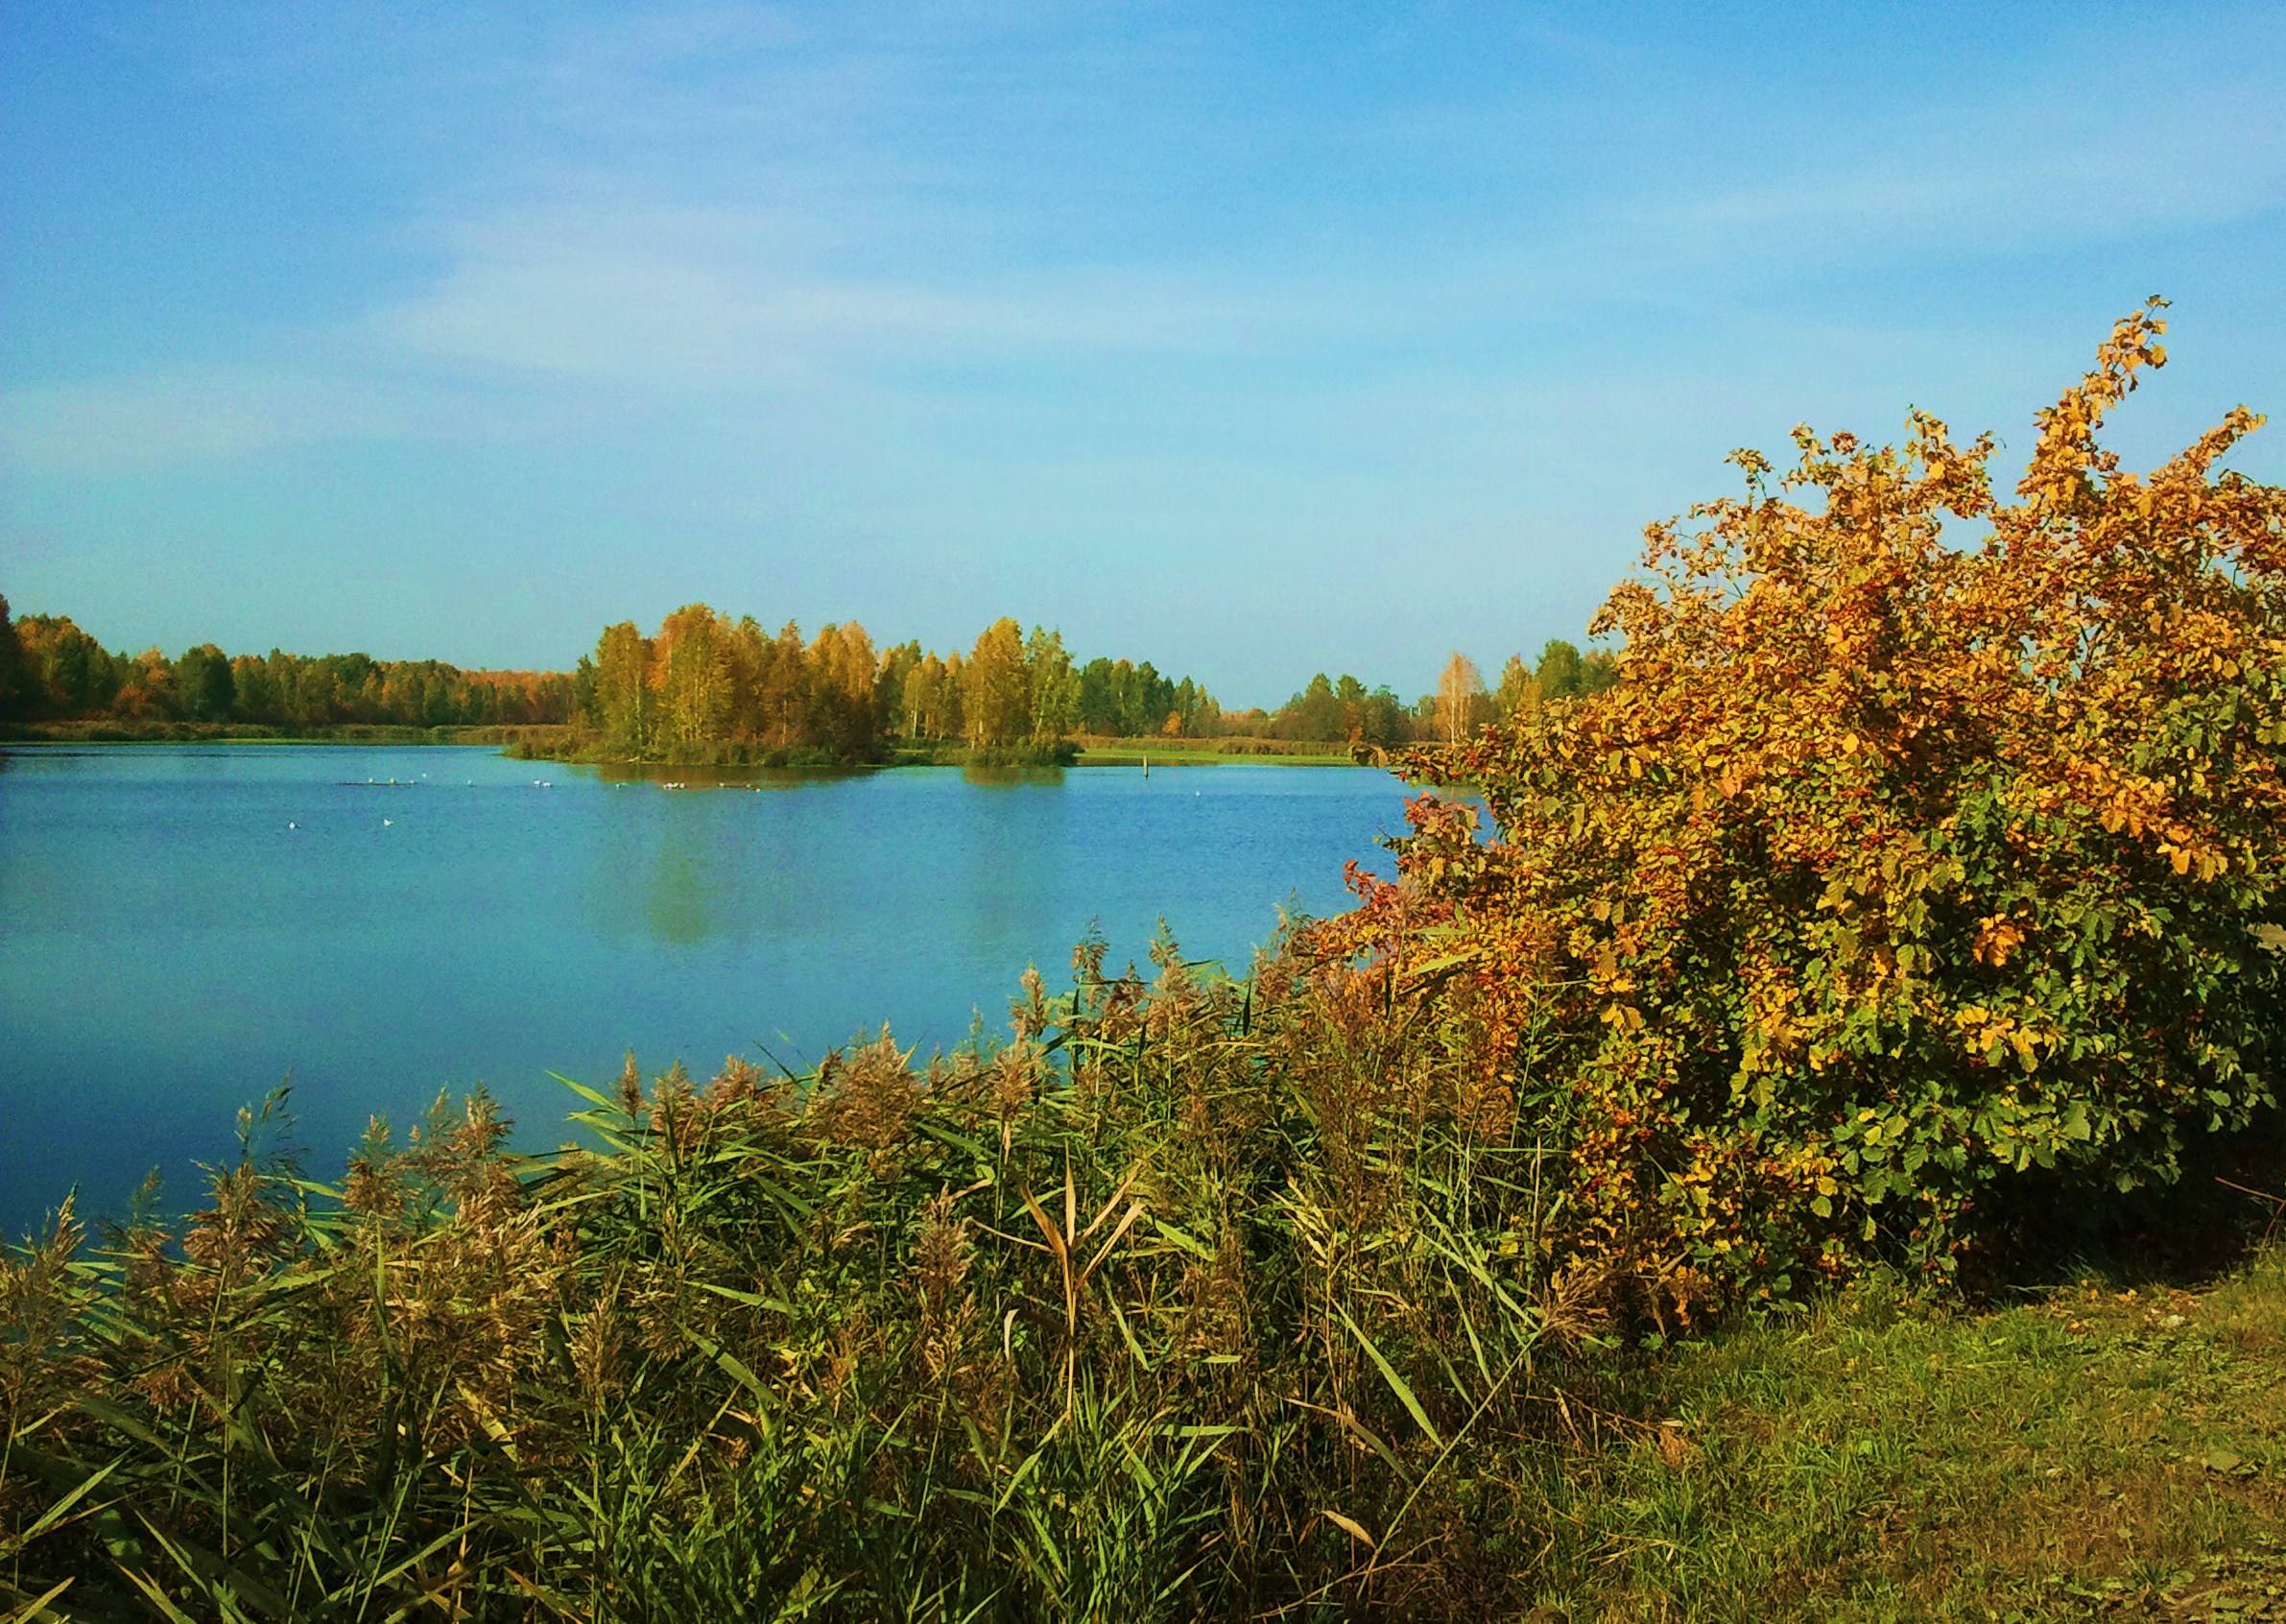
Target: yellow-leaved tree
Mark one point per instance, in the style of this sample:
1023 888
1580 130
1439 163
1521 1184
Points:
996 696
1897 874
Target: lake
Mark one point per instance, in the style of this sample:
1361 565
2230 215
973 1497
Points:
182 928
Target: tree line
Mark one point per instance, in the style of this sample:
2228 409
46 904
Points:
1342 710
705 685
52 671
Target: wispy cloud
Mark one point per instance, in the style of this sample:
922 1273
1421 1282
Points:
724 298
185 416
2020 175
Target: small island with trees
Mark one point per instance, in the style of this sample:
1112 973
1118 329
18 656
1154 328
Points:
704 688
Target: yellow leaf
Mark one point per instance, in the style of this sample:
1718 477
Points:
1350 1527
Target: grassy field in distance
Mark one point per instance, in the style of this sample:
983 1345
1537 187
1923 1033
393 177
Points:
1097 751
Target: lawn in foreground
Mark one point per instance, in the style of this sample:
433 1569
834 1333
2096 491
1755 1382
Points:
2108 1450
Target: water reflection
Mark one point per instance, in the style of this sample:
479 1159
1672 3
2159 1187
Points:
180 927
1012 777
715 776
1012 848
684 868
685 862
693 894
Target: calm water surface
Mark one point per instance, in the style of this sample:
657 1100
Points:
182 928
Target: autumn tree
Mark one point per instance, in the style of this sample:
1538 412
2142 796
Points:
748 651
995 693
1897 877
849 722
1519 689
933 699
68 672
784 700
626 699
67 675
690 666
16 678
148 694
1460 697
898 664
953 701
1054 685
704 689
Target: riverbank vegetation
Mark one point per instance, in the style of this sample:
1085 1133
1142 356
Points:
1101 750
1195 1298
737 696
706 690
57 681
1752 1182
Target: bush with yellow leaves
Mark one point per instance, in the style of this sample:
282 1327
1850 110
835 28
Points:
1897 870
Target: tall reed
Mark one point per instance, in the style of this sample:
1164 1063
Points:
1197 1295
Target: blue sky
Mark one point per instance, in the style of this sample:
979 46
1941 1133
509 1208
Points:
1252 340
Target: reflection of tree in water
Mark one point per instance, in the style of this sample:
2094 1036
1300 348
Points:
714 864
1014 845
684 902
670 869
1012 777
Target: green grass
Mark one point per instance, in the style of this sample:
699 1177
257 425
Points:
1097 752
2105 1450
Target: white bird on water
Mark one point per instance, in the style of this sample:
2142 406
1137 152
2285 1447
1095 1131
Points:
386 822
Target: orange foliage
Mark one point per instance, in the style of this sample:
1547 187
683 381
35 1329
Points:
1894 871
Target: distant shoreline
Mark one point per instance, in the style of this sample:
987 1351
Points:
38 734
1211 758
508 740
